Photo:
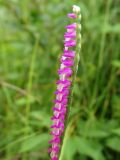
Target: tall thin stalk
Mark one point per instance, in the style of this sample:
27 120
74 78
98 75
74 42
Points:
64 93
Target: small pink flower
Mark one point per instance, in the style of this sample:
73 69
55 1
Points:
72 15
70 43
71 26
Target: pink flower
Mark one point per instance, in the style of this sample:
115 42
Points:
72 15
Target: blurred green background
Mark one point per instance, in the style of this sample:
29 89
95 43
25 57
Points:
31 41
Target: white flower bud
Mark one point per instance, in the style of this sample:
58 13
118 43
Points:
79 26
76 8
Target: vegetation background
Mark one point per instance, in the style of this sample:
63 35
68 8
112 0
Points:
31 41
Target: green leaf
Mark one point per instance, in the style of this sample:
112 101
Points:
70 149
35 141
111 28
22 101
83 146
89 147
41 118
95 129
116 63
116 131
97 133
116 107
114 143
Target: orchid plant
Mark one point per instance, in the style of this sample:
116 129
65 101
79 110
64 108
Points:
67 73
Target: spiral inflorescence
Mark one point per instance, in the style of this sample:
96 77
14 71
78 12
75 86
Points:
64 83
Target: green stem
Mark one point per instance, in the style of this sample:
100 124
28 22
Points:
29 87
101 55
30 81
66 136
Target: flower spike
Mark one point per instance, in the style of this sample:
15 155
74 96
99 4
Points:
67 73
